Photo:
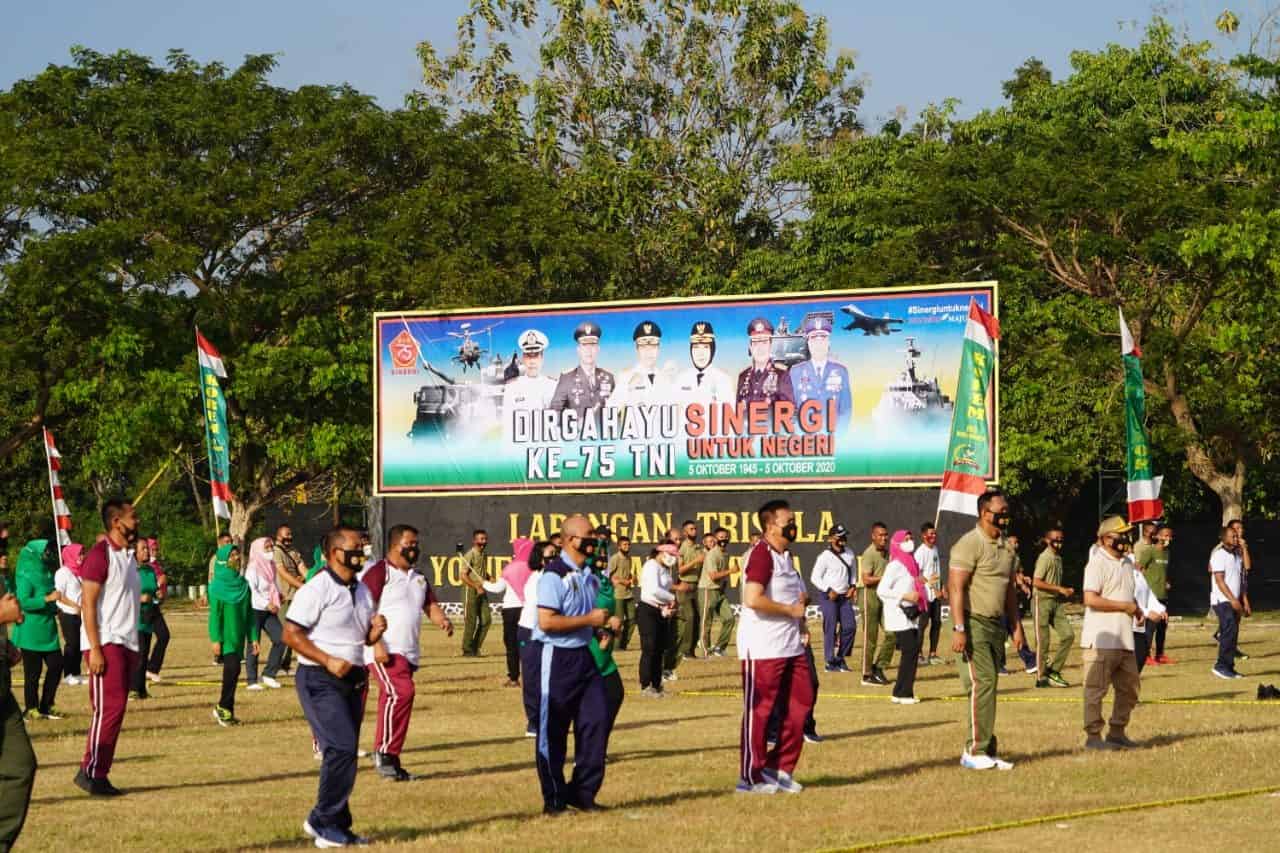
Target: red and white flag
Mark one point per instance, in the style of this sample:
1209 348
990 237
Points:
61 515
210 358
969 457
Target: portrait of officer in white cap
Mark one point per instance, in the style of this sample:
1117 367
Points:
529 390
645 383
703 382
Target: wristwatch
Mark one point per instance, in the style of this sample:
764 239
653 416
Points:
959 629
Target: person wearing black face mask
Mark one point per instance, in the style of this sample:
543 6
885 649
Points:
776 670
402 595
1049 603
712 585
332 622
981 592
110 606
1107 636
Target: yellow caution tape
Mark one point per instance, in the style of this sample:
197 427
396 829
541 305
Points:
906 840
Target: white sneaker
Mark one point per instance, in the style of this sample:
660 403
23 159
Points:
271 682
905 700
362 753
153 677
306 827
254 686
669 675
783 781
977 762
1001 764
71 681
745 787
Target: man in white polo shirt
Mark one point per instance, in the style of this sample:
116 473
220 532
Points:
1107 636
775 669
109 636
831 576
330 623
402 595
1228 598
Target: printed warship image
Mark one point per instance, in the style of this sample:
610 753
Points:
910 399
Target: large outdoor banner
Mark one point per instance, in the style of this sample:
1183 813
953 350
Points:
837 389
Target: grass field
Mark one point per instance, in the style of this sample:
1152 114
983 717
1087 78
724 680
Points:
885 771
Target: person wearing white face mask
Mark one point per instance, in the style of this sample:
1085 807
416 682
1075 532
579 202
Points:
657 607
902 591
265 595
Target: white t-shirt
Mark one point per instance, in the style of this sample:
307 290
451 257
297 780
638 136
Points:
655 584
930 568
762 636
831 571
402 597
529 610
1231 567
119 599
65 582
335 616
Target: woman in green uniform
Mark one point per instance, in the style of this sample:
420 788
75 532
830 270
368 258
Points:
149 587
230 622
37 635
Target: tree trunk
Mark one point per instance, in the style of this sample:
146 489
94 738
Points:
243 515
1228 486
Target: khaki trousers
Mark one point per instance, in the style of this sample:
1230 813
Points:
1105 668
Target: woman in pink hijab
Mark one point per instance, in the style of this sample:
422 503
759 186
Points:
902 591
265 595
514 576
67 582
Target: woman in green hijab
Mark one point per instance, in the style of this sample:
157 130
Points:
230 621
37 635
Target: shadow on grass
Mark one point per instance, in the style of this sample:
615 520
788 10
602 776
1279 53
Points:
1026 758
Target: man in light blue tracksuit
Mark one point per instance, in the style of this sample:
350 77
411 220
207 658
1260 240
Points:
571 689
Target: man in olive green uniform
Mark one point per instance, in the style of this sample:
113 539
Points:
17 758
691 556
1146 541
712 585
476 600
981 591
1155 567
626 588
871 566
1050 605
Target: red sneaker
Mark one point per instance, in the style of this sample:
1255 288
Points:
1165 659
1152 661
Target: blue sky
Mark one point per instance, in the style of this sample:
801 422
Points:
910 53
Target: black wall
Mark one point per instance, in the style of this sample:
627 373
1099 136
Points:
645 517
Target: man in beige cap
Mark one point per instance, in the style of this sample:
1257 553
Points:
1107 636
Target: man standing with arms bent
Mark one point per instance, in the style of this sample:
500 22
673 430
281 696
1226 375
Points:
981 591
109 634
772 636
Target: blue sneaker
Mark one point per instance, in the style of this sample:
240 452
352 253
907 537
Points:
1222 673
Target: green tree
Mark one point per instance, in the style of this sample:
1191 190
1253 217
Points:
664 119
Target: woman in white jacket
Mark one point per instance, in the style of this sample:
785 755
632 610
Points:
903 593
657 604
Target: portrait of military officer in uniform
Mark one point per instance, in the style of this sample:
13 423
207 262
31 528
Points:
762 380
645 383
586 387
529 390
821 378
703 383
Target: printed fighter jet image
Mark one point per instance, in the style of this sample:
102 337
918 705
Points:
869 325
